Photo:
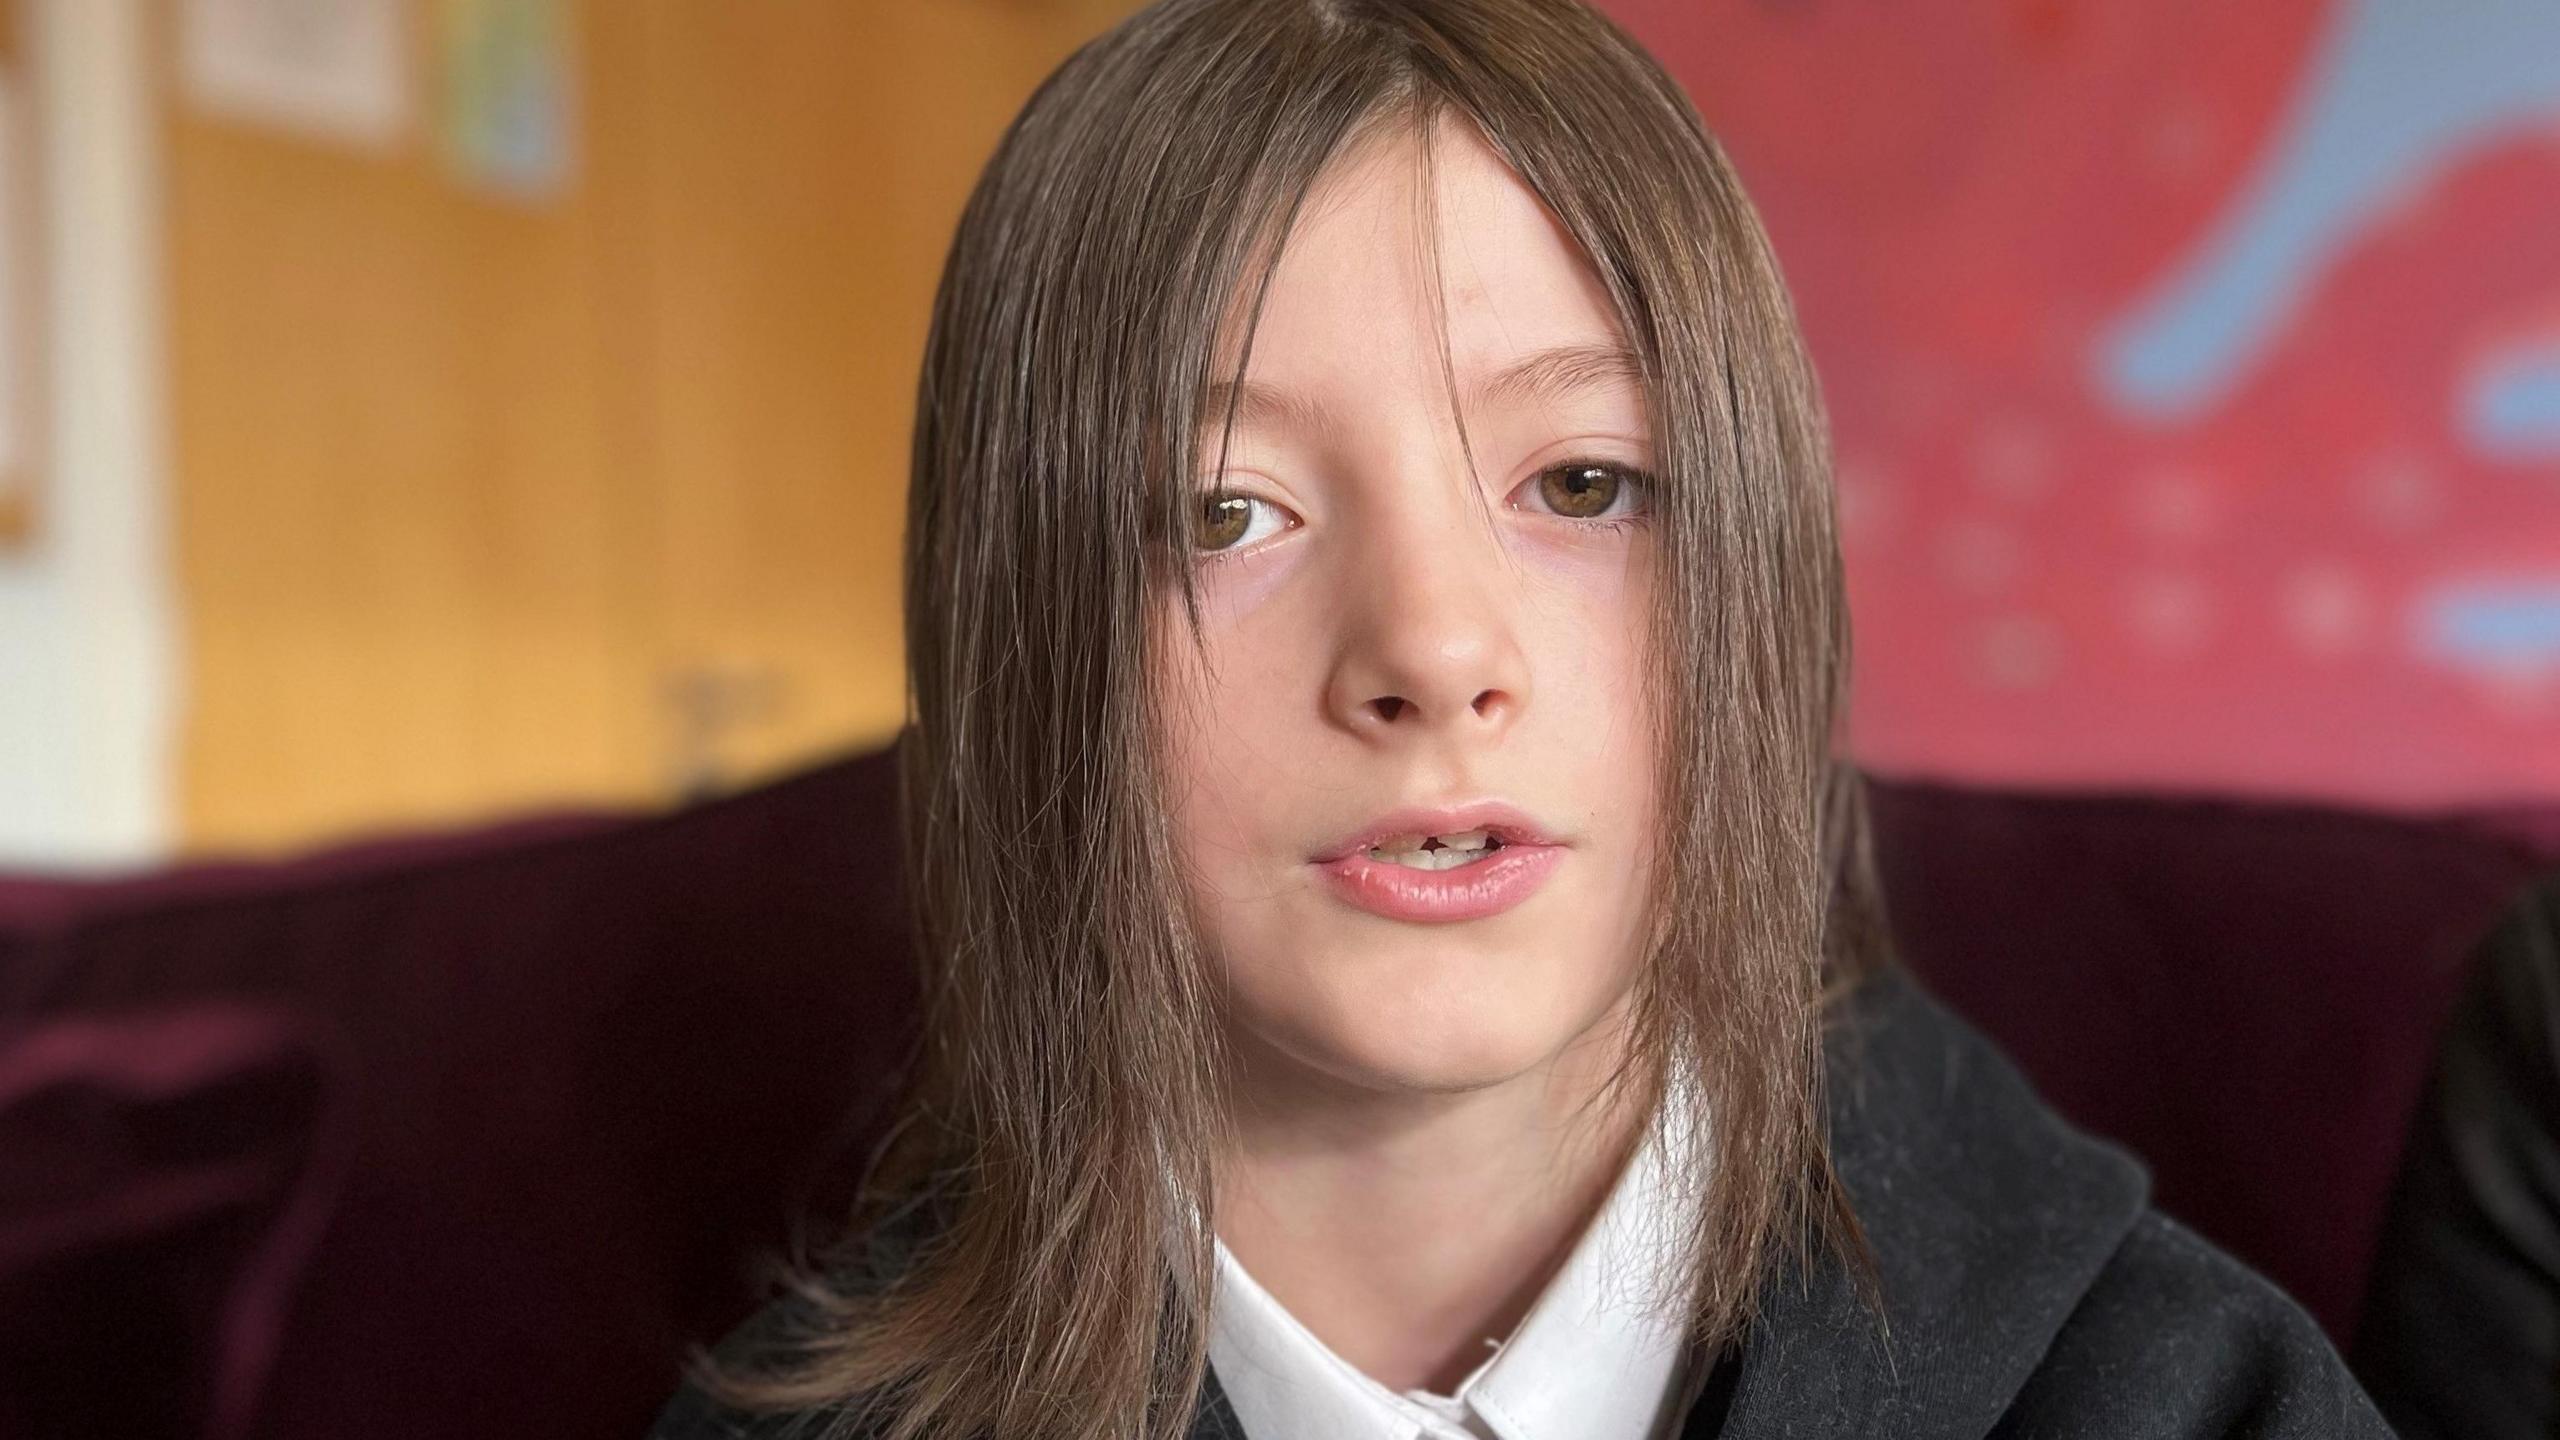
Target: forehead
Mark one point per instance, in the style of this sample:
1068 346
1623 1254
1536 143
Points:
1351 311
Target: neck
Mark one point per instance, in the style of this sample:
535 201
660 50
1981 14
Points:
1406 1229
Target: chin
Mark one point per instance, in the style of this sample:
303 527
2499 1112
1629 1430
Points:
1450 1032
1395 1067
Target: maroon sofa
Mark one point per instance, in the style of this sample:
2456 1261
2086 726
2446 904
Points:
465 1136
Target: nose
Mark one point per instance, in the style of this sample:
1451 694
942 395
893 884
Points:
1430 642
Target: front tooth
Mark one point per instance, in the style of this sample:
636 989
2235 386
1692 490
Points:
1470 847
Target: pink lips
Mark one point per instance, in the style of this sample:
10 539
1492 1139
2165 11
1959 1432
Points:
1510 875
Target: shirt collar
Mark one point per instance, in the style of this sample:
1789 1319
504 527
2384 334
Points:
1590 1358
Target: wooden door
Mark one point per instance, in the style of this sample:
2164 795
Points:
486 504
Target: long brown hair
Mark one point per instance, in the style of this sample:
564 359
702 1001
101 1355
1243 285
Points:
1068 1100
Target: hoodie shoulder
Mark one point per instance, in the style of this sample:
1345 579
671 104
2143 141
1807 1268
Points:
2029 1287
2177 1338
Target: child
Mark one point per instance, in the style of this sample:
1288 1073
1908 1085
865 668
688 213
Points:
1402 958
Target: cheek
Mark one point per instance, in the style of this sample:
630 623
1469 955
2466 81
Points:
1591 723
1231 730
1586 626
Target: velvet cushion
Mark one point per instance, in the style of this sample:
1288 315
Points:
168 1177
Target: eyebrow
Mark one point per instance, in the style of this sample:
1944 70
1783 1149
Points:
1549 375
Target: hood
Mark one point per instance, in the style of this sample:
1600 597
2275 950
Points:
1989 1218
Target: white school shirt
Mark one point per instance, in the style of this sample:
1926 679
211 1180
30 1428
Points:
1586 1363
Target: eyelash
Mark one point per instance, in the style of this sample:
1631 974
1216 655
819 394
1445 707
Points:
1642 480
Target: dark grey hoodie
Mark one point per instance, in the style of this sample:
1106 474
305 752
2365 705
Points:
2029 1288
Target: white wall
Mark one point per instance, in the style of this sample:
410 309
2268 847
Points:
88 715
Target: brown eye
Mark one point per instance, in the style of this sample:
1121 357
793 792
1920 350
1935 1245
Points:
1222 521
1225 520
1587 490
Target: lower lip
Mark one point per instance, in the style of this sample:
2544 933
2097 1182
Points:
1469 892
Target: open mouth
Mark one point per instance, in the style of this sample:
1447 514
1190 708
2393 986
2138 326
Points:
1445 876
1437 852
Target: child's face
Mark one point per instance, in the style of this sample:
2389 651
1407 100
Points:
1385 631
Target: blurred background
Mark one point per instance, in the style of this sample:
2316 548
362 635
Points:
452 455
414 410
454 405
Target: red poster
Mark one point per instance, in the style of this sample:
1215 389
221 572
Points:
2195 371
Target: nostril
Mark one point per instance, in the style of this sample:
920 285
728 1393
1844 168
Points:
1390 706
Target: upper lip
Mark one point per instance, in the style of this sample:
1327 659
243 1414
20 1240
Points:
1507 822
